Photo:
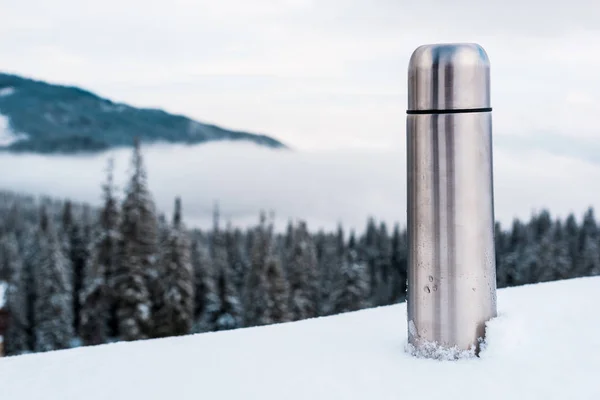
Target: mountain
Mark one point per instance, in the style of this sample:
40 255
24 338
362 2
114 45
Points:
544 345
41 117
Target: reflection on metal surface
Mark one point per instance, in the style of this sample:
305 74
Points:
451 266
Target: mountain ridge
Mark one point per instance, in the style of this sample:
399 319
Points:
41 117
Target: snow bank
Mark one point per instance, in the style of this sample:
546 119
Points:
7 136
545 344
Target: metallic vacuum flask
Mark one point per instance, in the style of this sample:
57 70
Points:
451 261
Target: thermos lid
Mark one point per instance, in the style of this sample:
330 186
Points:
454 76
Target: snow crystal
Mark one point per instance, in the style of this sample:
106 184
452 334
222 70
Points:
6 91
7 136
435 351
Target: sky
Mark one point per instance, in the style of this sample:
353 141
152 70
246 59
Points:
327 78
325 74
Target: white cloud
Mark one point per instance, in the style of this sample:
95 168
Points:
324 187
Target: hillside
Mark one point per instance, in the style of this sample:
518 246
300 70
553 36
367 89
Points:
543 345
41 117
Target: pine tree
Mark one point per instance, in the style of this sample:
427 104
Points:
94 299
351 291
383 269
30 248
588 260
588 263
547 267
572 232
369 253
237 259
563 261
176 314
256 299
266 290
16 340
98 297
206 301
53 307
329 263
511 262
97 319
78 253
399 265
229 312
352 243
303 275
157 287
278 290
138 250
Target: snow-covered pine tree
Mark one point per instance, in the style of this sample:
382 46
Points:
256 299
352 242
138 250
547 267
287 243
368 252
383 268
266 288
16 339
572 233
277 288
78 254
522 258
563 261
94 299
176 312
98 295
238 259
54 292
303 275
229 312
206 299
329 263
399 265
97 319
351 289
30 249
588 261
155 277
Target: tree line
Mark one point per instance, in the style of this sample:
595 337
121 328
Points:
84 276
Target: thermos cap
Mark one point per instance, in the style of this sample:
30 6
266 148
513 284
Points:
443 77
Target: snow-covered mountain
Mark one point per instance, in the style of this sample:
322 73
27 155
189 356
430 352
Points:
545 344
42 117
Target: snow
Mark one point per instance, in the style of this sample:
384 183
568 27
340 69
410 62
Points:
6 91
7 136
545 344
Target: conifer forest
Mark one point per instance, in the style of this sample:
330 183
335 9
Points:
79 276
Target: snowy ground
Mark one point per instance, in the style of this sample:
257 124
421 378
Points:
545 344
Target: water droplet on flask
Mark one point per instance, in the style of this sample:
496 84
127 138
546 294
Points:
430 278
427 290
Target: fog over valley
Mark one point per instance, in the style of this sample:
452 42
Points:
323 187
